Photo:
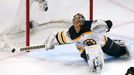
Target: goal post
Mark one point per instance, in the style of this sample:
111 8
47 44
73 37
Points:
27 22
90 9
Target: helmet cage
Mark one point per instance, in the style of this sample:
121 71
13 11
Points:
79 18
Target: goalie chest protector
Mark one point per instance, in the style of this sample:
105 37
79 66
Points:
85 28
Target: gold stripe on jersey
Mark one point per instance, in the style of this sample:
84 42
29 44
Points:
57 38
81 49
60 38
77 38
104 40
63 37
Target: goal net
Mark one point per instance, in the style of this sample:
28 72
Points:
58 17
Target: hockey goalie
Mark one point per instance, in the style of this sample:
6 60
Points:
90 40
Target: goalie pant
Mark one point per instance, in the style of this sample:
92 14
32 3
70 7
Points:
110 48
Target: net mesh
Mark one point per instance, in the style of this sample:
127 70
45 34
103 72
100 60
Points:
58 17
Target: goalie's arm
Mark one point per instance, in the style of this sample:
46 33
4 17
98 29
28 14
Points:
63 38
59 38
100 26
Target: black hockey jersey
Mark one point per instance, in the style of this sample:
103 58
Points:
85 28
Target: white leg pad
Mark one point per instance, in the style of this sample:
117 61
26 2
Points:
95 58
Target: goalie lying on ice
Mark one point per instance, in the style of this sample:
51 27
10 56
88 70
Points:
90 40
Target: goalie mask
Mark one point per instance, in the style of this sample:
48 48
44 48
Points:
78 22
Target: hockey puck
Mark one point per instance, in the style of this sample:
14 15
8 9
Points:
27 51
13 50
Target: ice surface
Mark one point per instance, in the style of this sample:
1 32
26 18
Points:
65 60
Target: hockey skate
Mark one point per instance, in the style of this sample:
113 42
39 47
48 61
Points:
130 71
124 44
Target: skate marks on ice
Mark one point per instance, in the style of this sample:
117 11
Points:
67 57
61 61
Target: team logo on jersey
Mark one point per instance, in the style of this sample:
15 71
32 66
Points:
89 42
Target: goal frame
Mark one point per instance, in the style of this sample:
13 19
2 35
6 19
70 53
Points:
28 18
27 22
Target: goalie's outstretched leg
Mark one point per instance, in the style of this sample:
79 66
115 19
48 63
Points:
95 58
116 48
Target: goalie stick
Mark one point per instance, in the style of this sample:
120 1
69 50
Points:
27 49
